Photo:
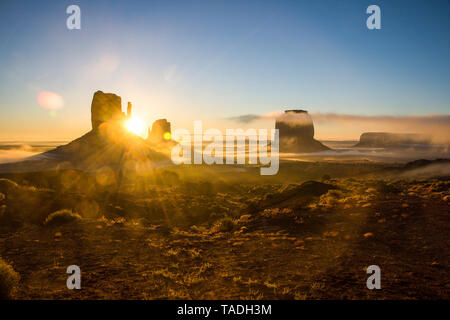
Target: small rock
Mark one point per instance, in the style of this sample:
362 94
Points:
368 235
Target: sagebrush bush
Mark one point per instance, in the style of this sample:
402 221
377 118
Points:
8 280
328 200
62 217
277 212
224 225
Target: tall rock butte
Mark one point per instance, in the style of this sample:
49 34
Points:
296 130
106 107
104 147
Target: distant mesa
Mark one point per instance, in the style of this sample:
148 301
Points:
296 130
392 140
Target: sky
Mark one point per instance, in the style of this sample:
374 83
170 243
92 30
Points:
215 60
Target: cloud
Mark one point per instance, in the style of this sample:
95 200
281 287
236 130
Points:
332 125
14 155
436 119
247 118
435 125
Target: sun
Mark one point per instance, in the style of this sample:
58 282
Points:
136 126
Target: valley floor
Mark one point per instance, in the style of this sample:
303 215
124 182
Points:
290 254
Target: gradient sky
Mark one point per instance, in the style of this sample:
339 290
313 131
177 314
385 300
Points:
209 60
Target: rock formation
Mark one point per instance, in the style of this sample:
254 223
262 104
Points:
129 110
296 130
160 131
391 140
105 107
108 146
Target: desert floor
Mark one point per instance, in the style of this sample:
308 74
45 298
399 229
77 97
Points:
285 247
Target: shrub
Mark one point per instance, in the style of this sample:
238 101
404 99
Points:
62 217
2 196
8 280
277 212
224 225
330 199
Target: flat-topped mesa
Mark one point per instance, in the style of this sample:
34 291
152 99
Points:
296 130
392 140
107 107
160 131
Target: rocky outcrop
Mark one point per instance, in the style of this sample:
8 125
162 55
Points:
105 107
296 130
391 140
129 110
160 131
108 145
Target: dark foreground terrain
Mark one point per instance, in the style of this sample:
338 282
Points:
304 240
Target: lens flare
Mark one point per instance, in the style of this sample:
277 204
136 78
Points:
136 126
50 100
167 135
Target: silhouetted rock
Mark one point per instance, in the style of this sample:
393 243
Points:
390 140
160 131
109 145
105 107
129 110
296 131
